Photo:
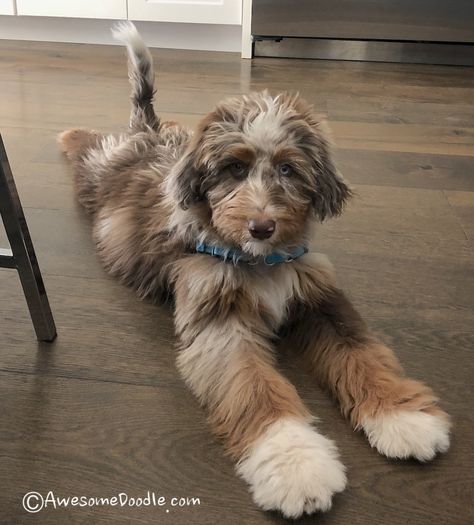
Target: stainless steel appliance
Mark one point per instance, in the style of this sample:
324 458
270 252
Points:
420 31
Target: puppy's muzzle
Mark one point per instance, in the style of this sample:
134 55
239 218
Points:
261 229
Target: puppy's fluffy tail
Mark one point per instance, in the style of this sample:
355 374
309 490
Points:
141 75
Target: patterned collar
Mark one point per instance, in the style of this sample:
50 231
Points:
238 256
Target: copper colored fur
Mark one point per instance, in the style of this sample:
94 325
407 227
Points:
156 190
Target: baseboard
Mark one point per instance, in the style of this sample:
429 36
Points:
206 37
366 50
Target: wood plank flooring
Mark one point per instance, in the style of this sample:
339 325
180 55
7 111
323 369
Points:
103 410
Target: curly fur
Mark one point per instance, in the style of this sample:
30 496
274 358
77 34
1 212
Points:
156 190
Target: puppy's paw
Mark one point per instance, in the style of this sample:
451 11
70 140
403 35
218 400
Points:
408 434
74 141
293 469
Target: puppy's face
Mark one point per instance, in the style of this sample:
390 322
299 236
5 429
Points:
263 168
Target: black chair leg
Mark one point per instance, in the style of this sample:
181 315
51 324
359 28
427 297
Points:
22 254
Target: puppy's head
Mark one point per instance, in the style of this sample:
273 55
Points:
263 168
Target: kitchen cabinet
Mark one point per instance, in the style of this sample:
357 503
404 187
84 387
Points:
187 11
7 7
114 9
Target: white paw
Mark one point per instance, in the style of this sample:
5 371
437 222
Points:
406 434
293 469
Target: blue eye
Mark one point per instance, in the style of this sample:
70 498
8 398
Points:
285 170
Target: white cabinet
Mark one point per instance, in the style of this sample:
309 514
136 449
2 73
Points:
182 11
214 25
187 11
7 7
73 8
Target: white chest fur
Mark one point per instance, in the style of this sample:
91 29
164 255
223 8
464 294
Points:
276 287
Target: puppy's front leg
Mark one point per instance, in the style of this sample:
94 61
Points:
400 416
226 358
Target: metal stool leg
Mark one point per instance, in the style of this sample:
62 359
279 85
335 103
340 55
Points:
22 254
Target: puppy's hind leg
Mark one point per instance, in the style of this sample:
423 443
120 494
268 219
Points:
75 142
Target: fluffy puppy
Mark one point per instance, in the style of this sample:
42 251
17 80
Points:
215 218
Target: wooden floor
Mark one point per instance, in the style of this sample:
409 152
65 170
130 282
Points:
103 410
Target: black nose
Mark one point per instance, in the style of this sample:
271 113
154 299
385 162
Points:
261 229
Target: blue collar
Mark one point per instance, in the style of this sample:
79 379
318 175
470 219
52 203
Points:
236 256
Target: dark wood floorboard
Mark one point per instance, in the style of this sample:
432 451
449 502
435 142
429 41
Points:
102 410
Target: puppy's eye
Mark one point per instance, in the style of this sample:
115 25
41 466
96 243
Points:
238 169
285 170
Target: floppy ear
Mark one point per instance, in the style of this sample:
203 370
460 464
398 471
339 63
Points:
331 192
185 180
187 177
